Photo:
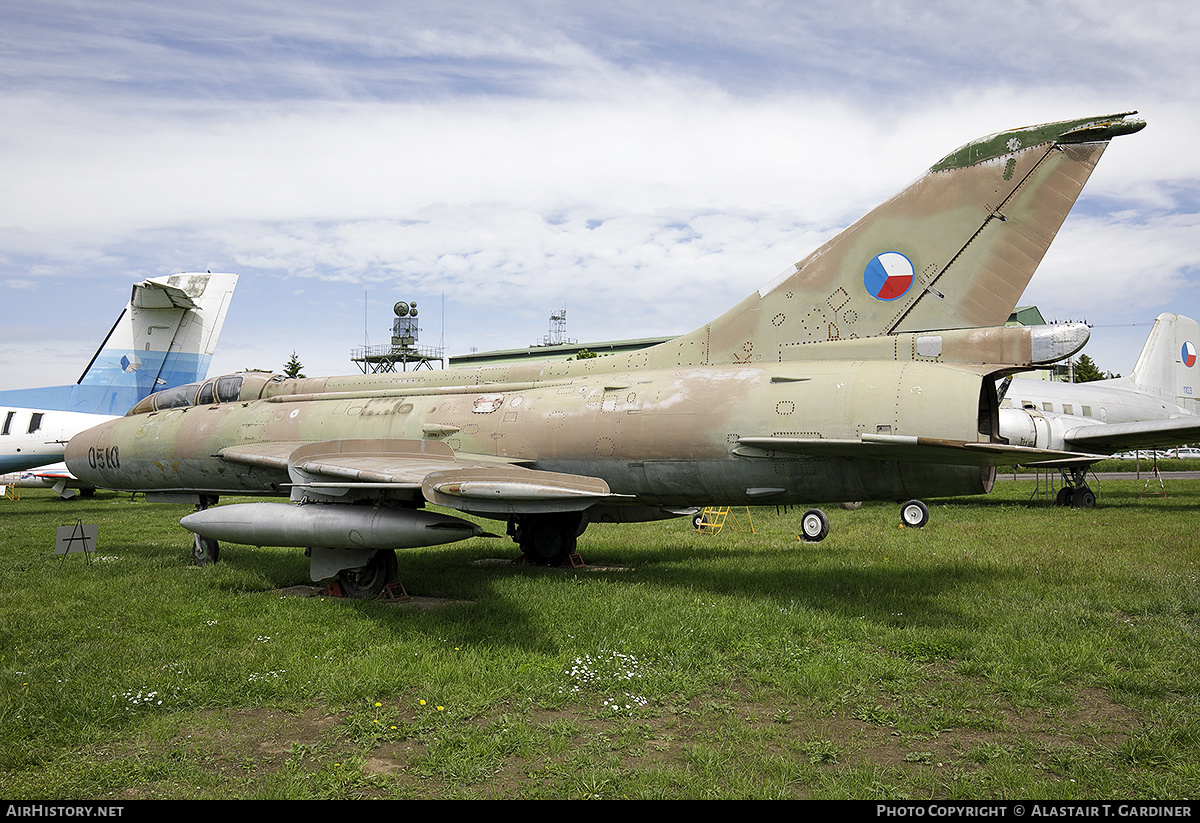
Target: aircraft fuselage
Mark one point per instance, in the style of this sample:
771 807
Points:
664 437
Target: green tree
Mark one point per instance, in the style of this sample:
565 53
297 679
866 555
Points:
292 368
1086 371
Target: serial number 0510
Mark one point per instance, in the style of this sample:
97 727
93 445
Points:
106 458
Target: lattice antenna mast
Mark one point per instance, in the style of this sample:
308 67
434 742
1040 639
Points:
557 334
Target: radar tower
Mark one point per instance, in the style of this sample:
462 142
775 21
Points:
403 350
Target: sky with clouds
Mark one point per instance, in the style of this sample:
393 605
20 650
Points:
644 165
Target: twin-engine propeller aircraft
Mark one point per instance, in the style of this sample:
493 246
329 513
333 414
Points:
866 372
1155 407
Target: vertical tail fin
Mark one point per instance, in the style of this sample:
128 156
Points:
1167 366
953 250
165 337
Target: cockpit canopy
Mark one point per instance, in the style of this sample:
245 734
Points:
230 388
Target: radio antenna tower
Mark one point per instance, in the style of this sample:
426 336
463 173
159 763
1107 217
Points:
557 335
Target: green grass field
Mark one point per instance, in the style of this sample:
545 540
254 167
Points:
1007 650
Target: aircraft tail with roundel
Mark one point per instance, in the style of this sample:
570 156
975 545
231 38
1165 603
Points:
953 250
1167 365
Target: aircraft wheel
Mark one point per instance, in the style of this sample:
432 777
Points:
369 580
697 520
549 540
1063 498
914 514
814 525
205 550
1083 498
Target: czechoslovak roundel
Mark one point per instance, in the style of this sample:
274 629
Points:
888 276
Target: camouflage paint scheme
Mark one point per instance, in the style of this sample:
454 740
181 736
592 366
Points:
812 390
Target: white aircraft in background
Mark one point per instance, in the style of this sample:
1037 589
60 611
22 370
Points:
164 337
1157 406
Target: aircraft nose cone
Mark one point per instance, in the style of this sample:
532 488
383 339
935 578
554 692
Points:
82 450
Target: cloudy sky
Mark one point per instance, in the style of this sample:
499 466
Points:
644 165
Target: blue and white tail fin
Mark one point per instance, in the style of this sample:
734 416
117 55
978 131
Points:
165 337
1168 366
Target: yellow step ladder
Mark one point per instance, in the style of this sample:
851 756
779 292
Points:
712 520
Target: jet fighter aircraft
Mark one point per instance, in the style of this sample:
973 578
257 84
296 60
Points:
866 372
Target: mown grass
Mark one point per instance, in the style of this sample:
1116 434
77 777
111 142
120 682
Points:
1006 650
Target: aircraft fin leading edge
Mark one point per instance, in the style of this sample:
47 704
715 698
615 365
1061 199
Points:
165 337
1167 366
953 250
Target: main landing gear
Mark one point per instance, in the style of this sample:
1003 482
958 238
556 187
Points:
369 580
1076 493
814 524
547 539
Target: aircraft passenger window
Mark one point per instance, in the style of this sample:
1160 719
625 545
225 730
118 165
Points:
229 389
8 422
1047 407
1068 408
35 422
1086 410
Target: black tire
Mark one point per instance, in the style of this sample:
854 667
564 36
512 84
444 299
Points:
205 550
1063 498
548 540
369 580
914 514
814 526
1083 498
697 520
